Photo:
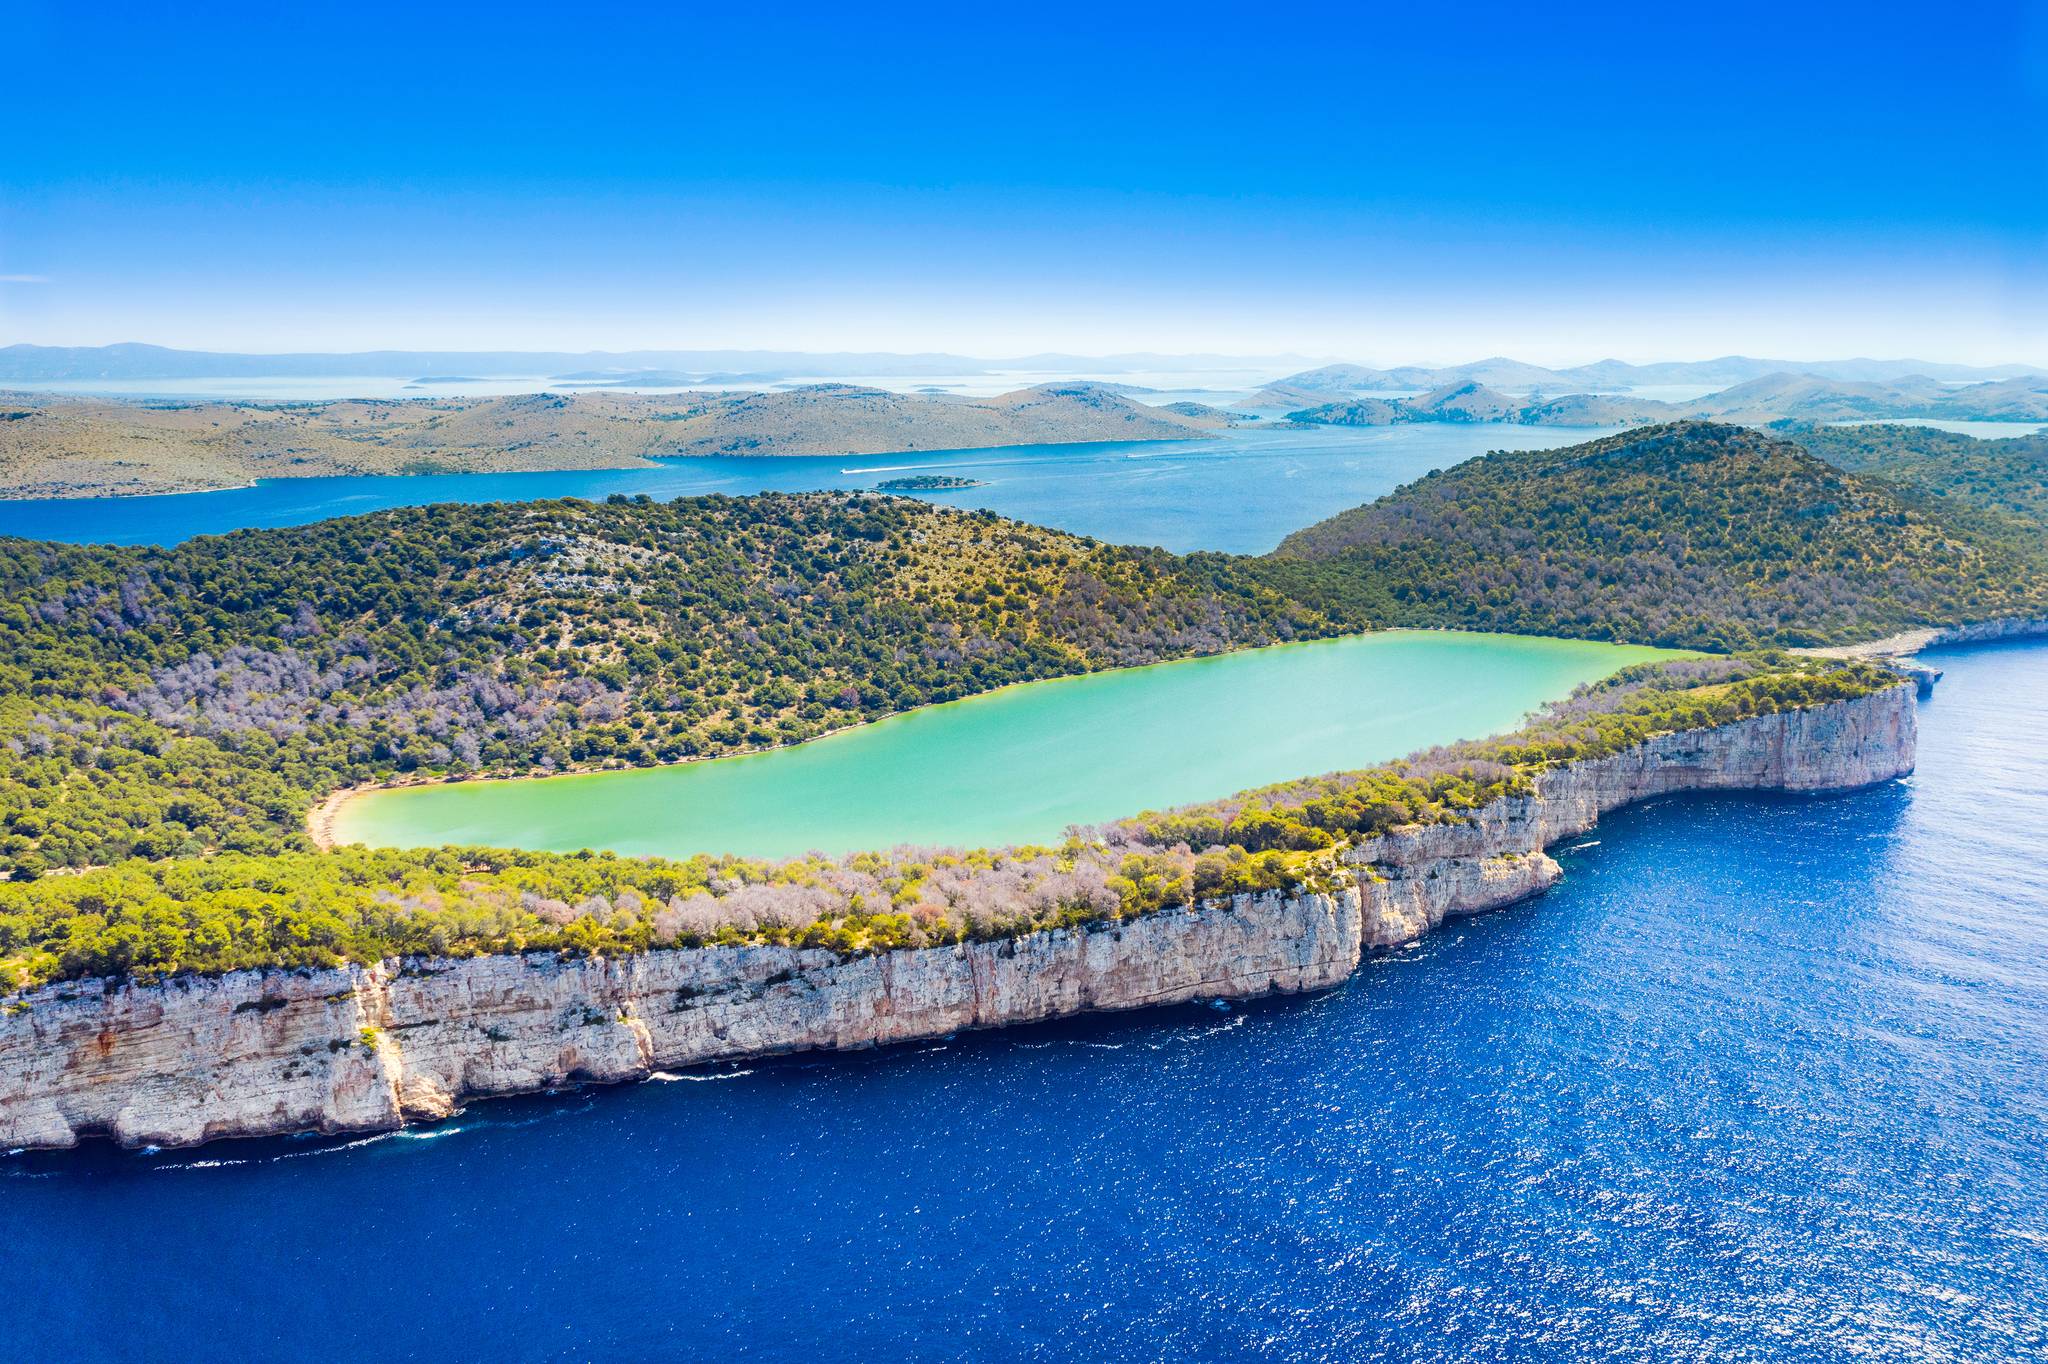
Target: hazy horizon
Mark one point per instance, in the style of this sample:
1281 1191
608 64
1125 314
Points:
1053 353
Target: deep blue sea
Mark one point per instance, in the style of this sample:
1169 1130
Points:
1241 491
1764 1079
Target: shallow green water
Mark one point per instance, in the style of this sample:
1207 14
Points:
1022 764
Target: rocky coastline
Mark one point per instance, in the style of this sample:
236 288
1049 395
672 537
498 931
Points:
370 1048
1901 651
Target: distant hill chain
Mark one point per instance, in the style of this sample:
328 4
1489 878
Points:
72 446
1771 398
59 447
132 361
62 447
1729 370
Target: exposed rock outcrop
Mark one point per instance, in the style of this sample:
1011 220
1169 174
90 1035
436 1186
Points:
370 1048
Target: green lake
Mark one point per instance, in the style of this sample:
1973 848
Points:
1021 764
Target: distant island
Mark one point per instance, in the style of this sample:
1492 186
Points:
55 445
1607 376
61 446
929 483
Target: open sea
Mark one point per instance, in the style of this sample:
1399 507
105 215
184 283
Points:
1764 1079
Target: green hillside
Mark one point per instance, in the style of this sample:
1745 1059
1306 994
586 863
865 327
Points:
146 920
1689 534
169 716
2006 477
162 702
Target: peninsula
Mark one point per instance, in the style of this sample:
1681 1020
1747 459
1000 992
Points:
662 965
1693 534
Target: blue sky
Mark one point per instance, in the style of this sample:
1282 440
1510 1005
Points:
1386 184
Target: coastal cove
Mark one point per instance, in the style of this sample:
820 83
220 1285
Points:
1023 763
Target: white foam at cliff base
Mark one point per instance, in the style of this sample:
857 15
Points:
670 1077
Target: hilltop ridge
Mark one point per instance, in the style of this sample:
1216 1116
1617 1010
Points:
1690 534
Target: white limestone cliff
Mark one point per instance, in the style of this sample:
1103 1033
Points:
370 1048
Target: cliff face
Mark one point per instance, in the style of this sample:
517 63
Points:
368 1048
1414 878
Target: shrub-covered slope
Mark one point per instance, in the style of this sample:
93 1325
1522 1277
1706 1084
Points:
1687 534
160 702
2008 478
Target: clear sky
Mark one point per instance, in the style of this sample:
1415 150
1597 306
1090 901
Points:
1401 183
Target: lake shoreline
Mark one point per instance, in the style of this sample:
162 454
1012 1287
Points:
323 821
1537 670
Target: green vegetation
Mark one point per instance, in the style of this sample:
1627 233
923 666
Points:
147 920
150 919
923 483
168 717
2007 479
1690 535
173 702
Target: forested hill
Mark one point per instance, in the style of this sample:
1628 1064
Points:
177 701
2008 478
1691 533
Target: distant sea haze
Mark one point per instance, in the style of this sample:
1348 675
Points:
132 361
